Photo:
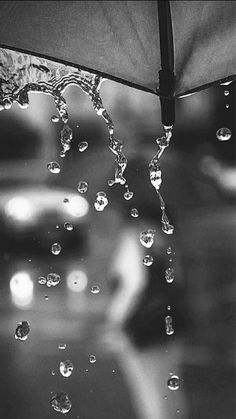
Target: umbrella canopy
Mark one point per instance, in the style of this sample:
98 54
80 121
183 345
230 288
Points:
130 41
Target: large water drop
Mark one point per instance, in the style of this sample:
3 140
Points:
82 186
61 402
134 212
147 238
95 289
148 260
173 382
56 248
68 226
66 368
223 134
169 275
101 201
53 167
22 330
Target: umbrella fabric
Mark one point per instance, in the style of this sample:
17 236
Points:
120 39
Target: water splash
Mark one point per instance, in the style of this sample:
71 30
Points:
22 330
22 73
156 175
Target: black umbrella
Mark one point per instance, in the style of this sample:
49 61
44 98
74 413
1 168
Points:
190 44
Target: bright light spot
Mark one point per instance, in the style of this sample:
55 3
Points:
20 209
77 206
77 281
21 287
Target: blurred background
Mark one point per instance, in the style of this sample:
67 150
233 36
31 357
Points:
123 323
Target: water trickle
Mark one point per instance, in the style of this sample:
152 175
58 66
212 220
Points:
56 248
66 368
223 134
92 359
148 260
68 226
95 289
134 212
82 186
83 146
53 279
168 325
173 382
60 402
101 201
62 346
147 238
53 167
55 118
169 275
22 330
42 280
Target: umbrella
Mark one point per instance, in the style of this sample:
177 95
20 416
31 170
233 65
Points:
167 48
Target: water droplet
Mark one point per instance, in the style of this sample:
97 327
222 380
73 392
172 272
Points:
168 325
62 154
57 226
66 137
110 182
42 280
226 83
7 104
66 368
22 330
82 186
168 228
83 146
168 307
60 402
68 226
56 248
169 250
173 382
62 346
128 194
227 106
147 238
95 289
46 297
163 141
155 174
148 260
226 92
53 167
53 279
53 373
55 118
92 359
169 275
223 134
165 397
134 212
66 200
178 411
101 201
170 260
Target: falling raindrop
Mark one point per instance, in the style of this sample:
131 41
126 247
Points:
82 186
173 382
56 248
169 275
95 289
226 92
168 325
42 280
223 134
62 346
92 359
134 212
101 201
148 260
55 118
53 279
61 402
83 146
147 238
53 167
66 368
22 330
68 226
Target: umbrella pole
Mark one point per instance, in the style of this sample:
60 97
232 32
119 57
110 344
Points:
166 74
